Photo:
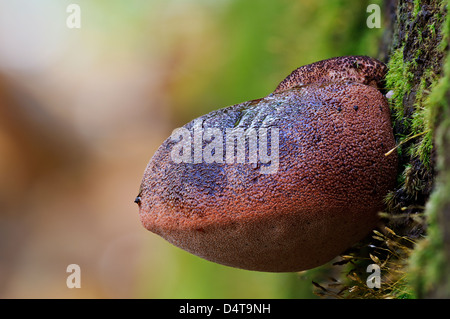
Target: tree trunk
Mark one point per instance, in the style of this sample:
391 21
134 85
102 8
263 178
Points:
415 47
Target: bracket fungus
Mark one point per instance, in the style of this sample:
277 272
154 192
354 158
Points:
279 184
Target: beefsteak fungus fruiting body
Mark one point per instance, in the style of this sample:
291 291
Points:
310 189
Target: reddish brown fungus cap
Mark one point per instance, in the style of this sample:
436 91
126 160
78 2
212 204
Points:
321 197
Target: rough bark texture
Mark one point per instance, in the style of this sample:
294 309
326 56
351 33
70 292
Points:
417 56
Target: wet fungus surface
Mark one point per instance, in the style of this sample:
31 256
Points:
312 189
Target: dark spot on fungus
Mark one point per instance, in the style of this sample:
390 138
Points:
138 200
355 107
319 202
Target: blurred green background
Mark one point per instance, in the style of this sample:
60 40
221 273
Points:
83 110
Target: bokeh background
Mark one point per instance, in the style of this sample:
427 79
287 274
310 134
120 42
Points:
83 110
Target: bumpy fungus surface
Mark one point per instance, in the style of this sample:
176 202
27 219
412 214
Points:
334 129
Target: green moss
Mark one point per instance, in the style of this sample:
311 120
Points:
445 30
425 105
421 121
399 79
416 8
436 101
427 263
405 72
